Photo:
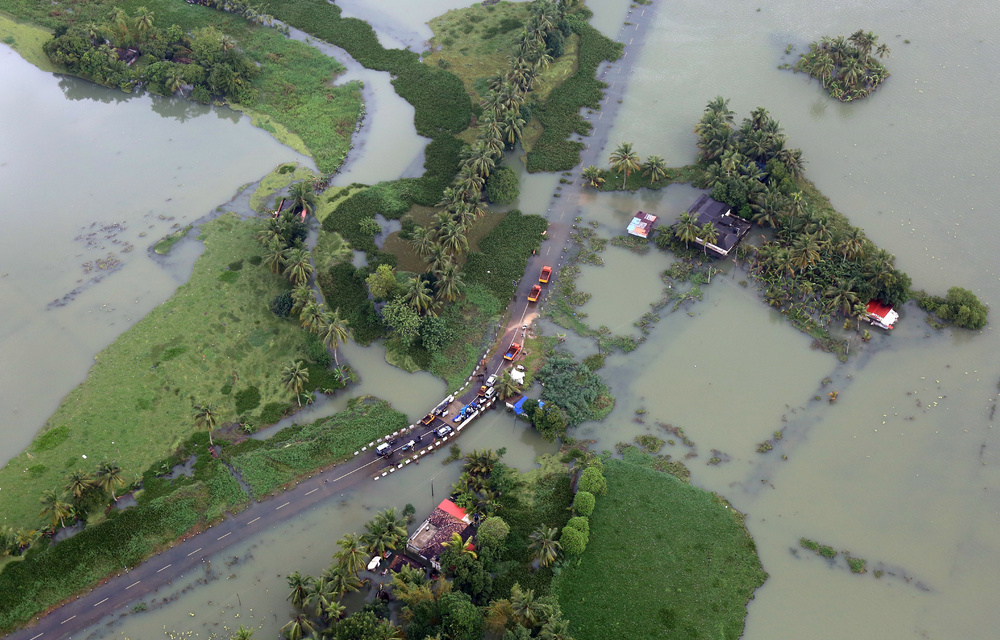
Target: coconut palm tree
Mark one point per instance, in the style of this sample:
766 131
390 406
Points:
852 245
352 556
319 597
805 252
526 609
555 628
624 160
55 507
311 315
708 234
882 51
594 176
506 387
449 285
300 585
78 482
497 614
457 543
655 168
295 376
481 462
452 237
418 296
242 634
437 258
274 256
422 241
544 546
481 158
385 532
298 266
341 581
205 416
302 294
298 627
841 298
332 331
686 229
174 81
511 125
303 196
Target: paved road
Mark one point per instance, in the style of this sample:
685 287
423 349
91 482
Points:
159 570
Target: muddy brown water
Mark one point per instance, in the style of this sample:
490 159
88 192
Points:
902 470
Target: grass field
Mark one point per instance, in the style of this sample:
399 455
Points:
212 339
27 40
665 560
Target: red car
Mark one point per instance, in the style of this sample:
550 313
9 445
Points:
536 291
544 276
515 348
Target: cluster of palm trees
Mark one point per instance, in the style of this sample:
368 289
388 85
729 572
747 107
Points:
318 599
540 616
16 541
846 67
688 230
254 13
58 505
625 161
477 491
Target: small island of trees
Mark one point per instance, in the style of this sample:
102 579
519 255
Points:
846 67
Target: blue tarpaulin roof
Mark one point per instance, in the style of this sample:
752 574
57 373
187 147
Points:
520 403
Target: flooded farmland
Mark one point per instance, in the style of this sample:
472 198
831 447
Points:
901 470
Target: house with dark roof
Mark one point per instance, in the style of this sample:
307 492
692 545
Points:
730 227
427 542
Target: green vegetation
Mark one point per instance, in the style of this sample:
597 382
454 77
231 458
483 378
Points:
845 66
296 451
136 403
575 388
166 510
28 41
560 113
280 178
164 246
960 307
502 186
699 552
286 86
503 254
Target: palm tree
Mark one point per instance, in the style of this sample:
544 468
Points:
452 237
841 297
481 462
480 158
624 160
805 251
449 285
298 266
332 331
318 598
298 627
422 241
882 51
302 295
78 482
205 416
852 245
655 168
594 176
303 196
295 376
437 258
456 542
506 387
274 256
497 614
340 581
511 124
544 546
385 532
174 80
418 295
242 634
300 585
311 315
708 234
55 507
525 608
555 628
352 556
687 228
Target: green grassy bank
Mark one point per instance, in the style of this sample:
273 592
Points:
213 342
665 560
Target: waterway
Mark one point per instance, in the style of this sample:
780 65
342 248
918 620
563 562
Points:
902 470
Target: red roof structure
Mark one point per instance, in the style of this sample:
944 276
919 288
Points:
453 509
427 542
881 315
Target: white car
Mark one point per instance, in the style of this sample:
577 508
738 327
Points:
443 431
492 380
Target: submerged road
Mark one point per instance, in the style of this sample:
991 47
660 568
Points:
160 570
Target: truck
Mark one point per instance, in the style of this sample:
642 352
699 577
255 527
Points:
536 291
512 351
545 275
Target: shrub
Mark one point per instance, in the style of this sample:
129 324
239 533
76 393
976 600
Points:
573 541
592 481
317 352
247 399
583 503
579 522
281 304
492 532
960 307
502 186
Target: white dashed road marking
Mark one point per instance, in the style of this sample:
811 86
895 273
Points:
224 535
133 584
194 552
166 567
101 602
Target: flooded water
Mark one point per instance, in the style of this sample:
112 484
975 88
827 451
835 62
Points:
89 174
902 470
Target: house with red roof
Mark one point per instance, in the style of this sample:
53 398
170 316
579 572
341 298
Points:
881 315
427 542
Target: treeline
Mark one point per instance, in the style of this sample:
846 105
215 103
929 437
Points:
206 61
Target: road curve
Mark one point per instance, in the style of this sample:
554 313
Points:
159 570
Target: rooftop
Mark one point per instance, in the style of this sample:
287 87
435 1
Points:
642 224
731 228
446 519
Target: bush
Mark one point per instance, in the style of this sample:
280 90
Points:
317 352
580 523
281 304
504 253
592 481
584 503
575 388
344 288
247 399
961 307
492 532
573 541
502 186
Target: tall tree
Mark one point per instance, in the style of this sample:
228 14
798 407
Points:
687 228
708 234
418 295
352 555
295 376
78 482
333 331
55 508
624 160
544 546
593 176
655 168
303 196
298 266
300 586
205 416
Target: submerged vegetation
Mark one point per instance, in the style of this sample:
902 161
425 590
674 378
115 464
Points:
846 67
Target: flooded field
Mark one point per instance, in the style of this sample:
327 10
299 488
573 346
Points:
901 470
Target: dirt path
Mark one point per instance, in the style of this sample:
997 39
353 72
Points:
161 569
